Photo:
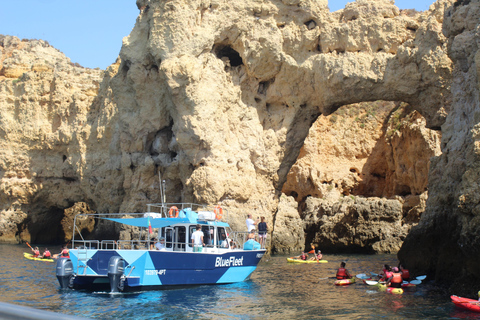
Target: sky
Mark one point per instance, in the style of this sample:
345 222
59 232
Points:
90 32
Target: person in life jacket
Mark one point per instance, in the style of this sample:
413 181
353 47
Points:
382 276
405 273
36 252
65 253
343 273
46 254
395 279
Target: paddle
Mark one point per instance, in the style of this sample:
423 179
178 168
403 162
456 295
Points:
29 246
421 277
416 281
327 278
362 276
371 282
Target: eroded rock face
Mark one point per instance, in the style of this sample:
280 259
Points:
44 106
376 149
218 97
446 242
355 224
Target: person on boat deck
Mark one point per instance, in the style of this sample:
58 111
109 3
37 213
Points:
343 273
197 239
46 254
225 241
262 231
36 252
152 243
395 279
251 244
405 273
250 223
160 245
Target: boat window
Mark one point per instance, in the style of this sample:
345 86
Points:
208 235
221 235
181 233
191 231
169 237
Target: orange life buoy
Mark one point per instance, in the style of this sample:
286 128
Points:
170 212
218 212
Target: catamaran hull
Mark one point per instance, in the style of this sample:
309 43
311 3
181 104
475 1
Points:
135 270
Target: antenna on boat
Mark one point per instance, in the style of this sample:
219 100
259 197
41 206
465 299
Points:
164 200
160 186
162 191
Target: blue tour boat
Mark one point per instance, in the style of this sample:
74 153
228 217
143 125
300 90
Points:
134 265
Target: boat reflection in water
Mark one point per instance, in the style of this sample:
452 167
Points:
134 265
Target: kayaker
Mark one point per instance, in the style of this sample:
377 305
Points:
36 252
387 274
65 253
395 279
343 273
46 254
405 273
383 274
318 256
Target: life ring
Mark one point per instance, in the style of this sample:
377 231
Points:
170 212
218 212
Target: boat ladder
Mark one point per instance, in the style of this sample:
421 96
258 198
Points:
82 257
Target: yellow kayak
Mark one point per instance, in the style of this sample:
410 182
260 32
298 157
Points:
383 287
293 260
30 257
344 282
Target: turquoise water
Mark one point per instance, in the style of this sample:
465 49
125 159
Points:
276 290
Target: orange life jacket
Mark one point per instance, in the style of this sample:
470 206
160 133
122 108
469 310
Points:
405 274
341 273
397 278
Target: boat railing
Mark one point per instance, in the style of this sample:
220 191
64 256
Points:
237 239
240 237
165 208
86 244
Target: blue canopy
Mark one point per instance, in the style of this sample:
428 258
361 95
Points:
164 222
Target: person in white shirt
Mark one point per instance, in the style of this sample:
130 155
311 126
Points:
250 223
160 245
197 239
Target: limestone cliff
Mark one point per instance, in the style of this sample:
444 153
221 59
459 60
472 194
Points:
218 97
446 242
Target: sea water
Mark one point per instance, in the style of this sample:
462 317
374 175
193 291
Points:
276 290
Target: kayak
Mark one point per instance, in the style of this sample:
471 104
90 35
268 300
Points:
383 287
293 260
465 303
344 282
31 257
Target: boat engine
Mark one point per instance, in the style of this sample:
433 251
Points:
116 267
65 273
